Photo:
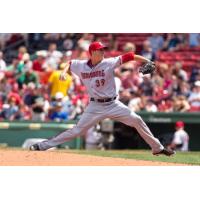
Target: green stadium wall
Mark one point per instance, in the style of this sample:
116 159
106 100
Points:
15 133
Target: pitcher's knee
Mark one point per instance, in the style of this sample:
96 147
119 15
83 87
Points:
138 120
77 131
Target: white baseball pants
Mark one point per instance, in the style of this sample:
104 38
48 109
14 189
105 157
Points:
96 112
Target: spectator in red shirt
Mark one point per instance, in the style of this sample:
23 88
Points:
159 94
39 63
21 51
165 106
14 93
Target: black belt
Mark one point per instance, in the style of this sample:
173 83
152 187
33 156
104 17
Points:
103 100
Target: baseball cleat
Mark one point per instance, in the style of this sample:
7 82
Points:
34 147
166 152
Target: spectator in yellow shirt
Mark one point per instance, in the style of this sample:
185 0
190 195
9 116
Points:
55 85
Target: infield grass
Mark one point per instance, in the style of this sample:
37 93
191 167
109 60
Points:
192 158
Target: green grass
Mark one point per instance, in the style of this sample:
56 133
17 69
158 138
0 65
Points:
192 158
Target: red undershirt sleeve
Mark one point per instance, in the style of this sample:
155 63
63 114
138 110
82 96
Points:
127 57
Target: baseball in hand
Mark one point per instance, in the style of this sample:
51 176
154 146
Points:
63 77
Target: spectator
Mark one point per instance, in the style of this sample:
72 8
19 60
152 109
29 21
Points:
14 93
21 51
150 106
129 47
66 57
180 140
194 98
53 56
125 96
24 113
67 106
183 38
38 113
147 51
135 104
4 37
165 106
30 93
195 71
24 63
129 76
55 85
168 81
57 114
27 77
179 72
5 86
175 88
39 64
15 37
165 75
2 80
85 41
10 110
162 69
146 86
47 102
184 89
160 94
35 40
157 80
34 99
156 41
172 43
68 42
181 104
12 68
81 54
194 39
113 43
2 62
57 98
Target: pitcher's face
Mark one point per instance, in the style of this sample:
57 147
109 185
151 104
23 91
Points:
98 54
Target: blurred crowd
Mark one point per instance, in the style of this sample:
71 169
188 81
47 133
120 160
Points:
30 65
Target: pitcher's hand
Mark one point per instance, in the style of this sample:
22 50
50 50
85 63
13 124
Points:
63 76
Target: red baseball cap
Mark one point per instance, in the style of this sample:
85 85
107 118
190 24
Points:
94 46
180 124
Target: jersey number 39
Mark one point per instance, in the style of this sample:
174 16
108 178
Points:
100 82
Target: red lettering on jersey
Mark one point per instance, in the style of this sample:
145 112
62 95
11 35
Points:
85 75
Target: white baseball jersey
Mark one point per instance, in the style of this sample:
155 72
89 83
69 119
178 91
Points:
99 80
181 138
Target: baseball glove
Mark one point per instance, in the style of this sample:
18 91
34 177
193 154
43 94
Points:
147 68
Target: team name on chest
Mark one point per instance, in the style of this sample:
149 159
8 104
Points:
86 75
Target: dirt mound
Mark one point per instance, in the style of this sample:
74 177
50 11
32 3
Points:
13 157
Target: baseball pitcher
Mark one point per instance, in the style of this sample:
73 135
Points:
97 74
